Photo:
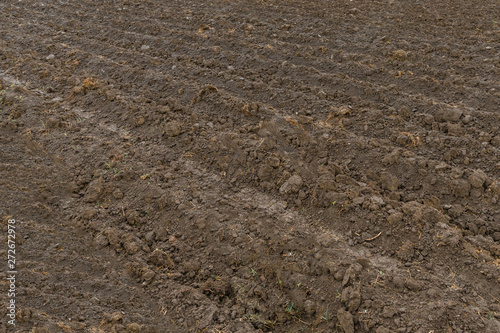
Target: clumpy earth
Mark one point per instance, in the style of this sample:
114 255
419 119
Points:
251 166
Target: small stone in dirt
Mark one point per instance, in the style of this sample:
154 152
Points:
172 128
292 185
50 57
460 188
400 55
346 321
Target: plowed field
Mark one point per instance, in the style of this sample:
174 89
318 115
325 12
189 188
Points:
251 166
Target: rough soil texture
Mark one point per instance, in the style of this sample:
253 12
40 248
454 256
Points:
252 166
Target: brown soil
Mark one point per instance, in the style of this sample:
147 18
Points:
252 166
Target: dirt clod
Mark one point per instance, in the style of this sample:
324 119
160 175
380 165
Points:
292 185
95 190
477 179
448 114
346 321
172 129
460 188
400 55
389 182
